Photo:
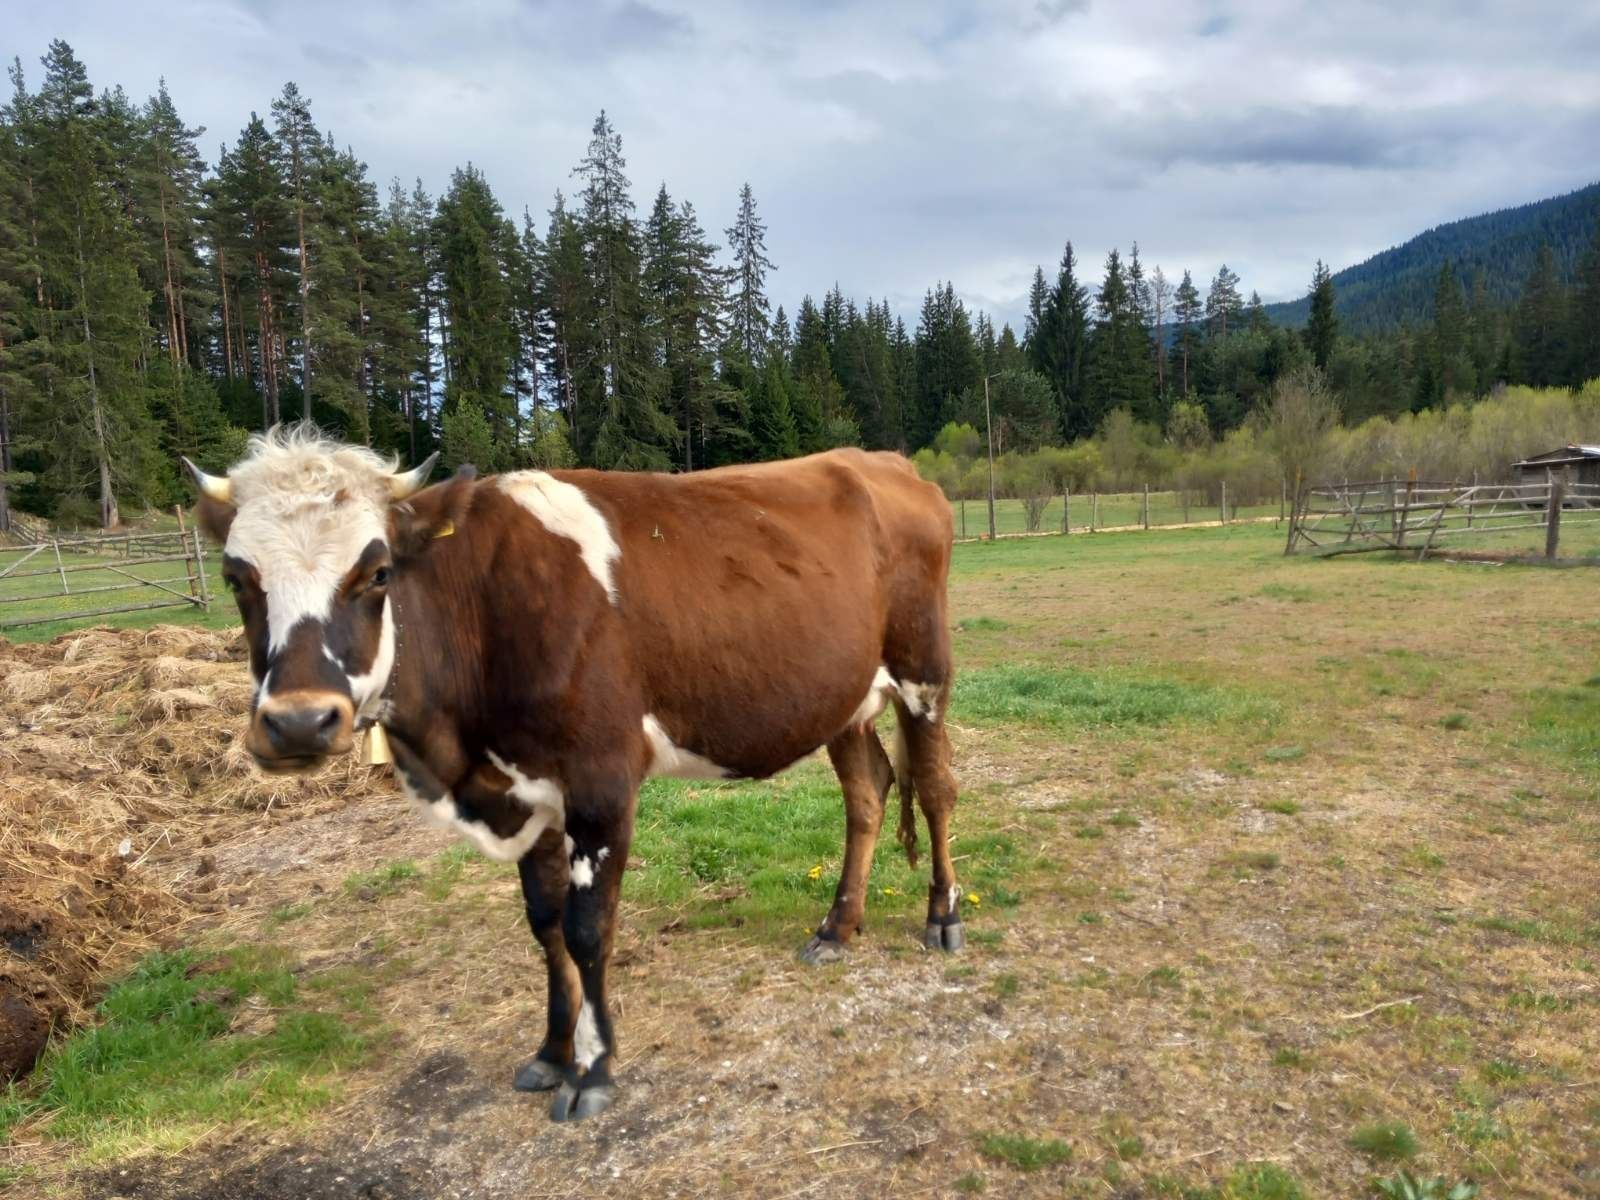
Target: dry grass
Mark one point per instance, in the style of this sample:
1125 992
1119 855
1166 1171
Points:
1261 955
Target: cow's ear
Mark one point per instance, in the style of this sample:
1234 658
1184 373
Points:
214 518
432 513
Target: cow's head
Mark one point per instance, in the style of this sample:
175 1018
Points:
312 532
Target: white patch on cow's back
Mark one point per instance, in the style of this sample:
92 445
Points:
587 1044
668 758
877 696
921 699
565 511
541 797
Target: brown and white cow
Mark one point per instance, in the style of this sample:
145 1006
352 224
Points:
535 644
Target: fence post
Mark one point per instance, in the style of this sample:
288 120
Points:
1094 511
65 590
1224 505
1066 509
1146 517
1283 495
963 518
183 543
1552 533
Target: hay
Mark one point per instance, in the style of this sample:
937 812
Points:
121 756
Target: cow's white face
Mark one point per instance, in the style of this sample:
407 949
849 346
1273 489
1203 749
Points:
305 526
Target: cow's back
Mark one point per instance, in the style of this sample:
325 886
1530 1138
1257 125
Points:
765 593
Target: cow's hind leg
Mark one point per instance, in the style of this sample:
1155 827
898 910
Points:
597 850
864 776
927 751
544 888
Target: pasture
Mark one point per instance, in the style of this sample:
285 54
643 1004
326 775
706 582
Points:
1280 880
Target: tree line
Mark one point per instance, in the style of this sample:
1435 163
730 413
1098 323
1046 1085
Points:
156 303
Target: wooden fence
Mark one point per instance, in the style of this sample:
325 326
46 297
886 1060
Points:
1416 516
36 577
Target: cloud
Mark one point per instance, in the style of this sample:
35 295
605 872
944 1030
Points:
895 142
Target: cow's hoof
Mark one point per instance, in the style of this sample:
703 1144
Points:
537 1075
574 1103
820 950
949 938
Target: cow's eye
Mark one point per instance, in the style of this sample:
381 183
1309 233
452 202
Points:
380 577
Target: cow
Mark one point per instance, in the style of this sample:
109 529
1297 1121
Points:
535 644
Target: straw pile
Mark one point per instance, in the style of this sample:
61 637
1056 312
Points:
120 761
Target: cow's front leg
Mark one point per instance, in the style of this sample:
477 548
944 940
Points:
544 889
597 850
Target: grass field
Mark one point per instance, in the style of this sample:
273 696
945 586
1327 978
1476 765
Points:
1280 882
1115 509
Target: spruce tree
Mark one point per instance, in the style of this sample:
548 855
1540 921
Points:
947 362
1186 311
771 419
1584 320
298 143
475 307
1059 347
1119 352
1322 327
1539 328
167 181
1450 359
748 307
621 384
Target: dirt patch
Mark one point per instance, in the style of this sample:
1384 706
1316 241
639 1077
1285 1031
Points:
304 1173
122 764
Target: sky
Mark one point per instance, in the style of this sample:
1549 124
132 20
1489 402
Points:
895 143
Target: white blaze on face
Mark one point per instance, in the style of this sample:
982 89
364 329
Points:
565 511
302 547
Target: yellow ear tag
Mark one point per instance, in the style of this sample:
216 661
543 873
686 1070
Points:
446 529
375 747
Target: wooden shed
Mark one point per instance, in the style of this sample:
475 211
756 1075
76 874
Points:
1583 463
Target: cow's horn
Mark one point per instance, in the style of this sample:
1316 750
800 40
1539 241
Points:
218 487
403 484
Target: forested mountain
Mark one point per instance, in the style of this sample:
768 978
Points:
1396 287
154 303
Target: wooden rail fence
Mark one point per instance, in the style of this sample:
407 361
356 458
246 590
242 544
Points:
90 566
1420 516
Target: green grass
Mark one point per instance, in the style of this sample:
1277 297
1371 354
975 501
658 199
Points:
1024 1153
38 596
982 625
1070 698
1116 509
1260 1181
186 1042
1386 1141
384 880
764 856
1565 723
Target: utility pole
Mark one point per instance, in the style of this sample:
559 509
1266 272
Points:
988 422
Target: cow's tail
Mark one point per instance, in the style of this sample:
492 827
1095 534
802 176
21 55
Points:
906 835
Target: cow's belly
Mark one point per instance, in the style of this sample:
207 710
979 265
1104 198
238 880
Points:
758 748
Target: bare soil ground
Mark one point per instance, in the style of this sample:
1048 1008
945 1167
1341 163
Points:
1223 943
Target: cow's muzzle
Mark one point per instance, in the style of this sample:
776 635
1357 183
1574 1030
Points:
296 731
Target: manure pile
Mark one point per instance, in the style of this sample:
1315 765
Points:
120 765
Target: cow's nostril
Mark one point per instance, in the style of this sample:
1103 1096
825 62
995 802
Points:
330 720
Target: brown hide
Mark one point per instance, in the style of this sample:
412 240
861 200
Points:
755 605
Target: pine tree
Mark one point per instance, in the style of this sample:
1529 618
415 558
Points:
1538 332
1160 309
1223 305
1483 337
1038 297
1450 362
251 224
1585 315
475 307
1186 311
811 368
167 182
564 300
1059 346
771 419
1119 352
21 353
298 142
947 362
748 323
620 385
1255 314
94 312
1322 327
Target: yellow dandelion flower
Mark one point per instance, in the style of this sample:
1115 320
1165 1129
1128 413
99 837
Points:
815 872
891 891
974 899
